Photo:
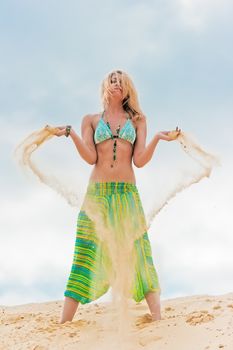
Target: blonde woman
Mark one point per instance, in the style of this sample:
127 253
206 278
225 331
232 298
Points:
111 141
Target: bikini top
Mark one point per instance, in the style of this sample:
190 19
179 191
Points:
103 131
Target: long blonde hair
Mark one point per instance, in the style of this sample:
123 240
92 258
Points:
130 101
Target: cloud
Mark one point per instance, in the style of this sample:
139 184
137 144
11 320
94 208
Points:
53 61
197 14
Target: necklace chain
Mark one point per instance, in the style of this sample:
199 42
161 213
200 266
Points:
107 122
114 137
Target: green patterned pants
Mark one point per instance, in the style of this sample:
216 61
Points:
111 245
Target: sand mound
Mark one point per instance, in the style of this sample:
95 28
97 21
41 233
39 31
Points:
193 322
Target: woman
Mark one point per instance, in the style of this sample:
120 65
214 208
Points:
111 141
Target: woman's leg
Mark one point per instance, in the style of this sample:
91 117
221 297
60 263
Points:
69 309
153 301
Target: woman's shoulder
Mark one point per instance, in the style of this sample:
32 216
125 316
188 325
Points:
91 118
139 119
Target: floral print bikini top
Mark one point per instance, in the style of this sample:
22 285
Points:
103 131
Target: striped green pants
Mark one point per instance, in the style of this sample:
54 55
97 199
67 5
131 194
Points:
112 247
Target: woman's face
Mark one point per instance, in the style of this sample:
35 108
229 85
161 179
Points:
115 86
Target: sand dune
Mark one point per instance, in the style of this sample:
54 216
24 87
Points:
188 323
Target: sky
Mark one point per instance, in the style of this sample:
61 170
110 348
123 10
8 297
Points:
54 55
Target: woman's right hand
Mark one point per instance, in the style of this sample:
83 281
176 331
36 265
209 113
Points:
61 131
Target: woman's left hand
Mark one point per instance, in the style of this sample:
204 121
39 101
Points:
169 135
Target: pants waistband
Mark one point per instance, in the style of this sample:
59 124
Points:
107 188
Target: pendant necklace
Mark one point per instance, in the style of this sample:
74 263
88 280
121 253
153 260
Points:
115 141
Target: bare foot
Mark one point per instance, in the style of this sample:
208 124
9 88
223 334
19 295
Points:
155 316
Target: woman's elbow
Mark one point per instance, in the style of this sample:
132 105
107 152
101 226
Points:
137 163
91 161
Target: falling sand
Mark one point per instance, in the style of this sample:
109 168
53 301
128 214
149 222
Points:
120 247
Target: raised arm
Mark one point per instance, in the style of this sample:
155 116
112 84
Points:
85 145
142 154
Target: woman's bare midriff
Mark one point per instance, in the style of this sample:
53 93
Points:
122 170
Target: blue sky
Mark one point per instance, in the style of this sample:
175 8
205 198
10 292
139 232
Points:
54 56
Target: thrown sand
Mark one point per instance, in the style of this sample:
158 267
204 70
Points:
188 323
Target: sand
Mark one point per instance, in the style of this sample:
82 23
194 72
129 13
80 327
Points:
188 323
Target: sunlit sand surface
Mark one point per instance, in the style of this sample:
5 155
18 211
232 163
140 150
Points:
192 322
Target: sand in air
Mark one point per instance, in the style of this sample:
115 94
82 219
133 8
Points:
120 250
